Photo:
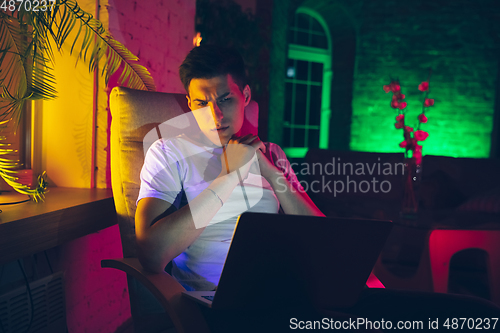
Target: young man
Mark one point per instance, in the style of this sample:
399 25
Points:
220 172
195 236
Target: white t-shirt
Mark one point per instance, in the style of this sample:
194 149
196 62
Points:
178 166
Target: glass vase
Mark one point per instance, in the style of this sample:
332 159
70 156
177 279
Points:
409 204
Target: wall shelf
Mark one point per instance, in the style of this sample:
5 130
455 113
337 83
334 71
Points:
67 214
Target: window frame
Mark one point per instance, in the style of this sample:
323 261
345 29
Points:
319 55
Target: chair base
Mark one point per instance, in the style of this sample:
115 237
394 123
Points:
185 314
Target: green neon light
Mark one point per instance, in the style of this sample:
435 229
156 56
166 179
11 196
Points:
457 133
295 152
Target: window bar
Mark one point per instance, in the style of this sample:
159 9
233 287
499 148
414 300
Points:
312 83
311 127
292 118
308 106
307 31
308 98
309 35
295 29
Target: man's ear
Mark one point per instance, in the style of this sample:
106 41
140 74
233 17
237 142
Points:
189 102
247 93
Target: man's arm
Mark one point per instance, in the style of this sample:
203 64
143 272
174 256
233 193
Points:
162 235
161 241
293 201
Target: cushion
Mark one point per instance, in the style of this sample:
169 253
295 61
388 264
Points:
438 191
488 202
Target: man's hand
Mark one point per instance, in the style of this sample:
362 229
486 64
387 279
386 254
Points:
238 154
266 166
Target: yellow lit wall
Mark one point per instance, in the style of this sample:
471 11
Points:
67 126
67 122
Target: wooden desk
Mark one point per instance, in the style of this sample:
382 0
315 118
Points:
66 214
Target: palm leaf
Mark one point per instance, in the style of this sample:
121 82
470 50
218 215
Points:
25 72
8 173
13 46
37 194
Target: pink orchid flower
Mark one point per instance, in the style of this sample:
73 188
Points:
428 102
421 135
393 86
424 86
422 118
398 96
418 156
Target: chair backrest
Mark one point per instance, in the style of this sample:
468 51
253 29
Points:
138 119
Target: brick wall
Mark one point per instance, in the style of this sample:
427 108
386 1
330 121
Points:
96 298
159 32
459 40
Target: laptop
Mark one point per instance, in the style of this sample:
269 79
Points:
284 259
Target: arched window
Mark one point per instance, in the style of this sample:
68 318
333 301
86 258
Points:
308 82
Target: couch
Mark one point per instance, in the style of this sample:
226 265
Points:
451 192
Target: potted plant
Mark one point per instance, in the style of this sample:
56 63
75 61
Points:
27 28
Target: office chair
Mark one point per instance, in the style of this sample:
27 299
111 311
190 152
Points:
138 119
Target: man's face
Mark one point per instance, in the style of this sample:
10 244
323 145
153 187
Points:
218 105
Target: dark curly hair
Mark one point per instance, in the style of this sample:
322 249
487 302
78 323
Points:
208 61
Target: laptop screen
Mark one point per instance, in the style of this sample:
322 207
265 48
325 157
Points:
291 258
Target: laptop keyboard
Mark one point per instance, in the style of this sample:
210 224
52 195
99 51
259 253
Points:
210 298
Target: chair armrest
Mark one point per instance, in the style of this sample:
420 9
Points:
184 313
